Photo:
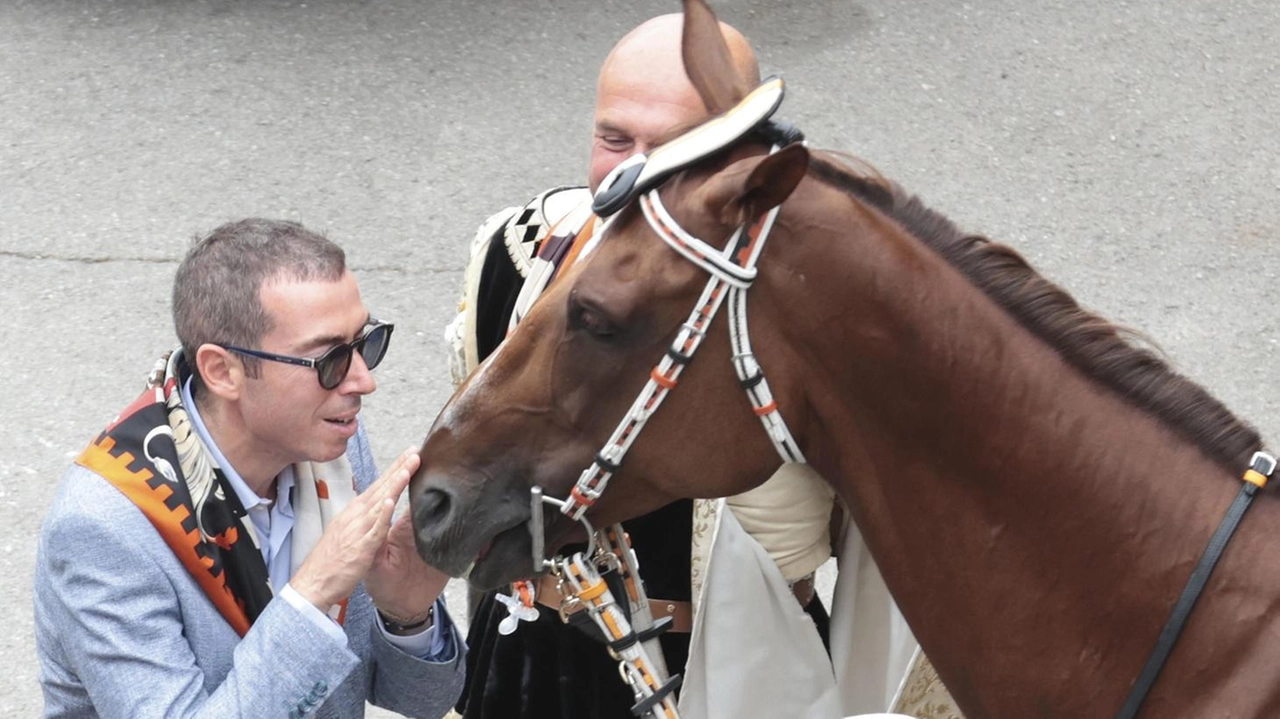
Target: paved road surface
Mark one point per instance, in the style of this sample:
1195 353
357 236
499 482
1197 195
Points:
1129 149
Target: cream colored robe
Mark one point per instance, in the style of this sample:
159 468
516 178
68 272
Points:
742 666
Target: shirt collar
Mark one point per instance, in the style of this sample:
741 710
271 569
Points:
248 498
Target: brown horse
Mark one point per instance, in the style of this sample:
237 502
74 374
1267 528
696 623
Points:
1035 489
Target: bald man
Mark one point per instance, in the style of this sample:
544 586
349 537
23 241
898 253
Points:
737 561
643 92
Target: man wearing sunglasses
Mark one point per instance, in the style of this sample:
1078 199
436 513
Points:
224 547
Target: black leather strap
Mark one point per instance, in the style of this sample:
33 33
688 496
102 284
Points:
1187 602
643 706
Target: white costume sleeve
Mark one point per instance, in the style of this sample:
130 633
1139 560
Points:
790 516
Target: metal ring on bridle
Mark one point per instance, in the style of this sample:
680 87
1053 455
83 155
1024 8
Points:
537 531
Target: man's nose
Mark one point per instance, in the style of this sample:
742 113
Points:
359 379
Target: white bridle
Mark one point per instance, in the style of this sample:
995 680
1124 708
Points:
732 270
632 634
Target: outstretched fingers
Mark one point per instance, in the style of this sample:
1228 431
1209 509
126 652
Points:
351 543
393 481
376 536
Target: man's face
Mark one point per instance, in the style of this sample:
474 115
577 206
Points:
636 107
289 417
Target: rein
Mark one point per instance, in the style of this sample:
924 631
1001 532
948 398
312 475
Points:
1261 468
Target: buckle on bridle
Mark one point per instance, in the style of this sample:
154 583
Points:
569 604
1261 467
1263 463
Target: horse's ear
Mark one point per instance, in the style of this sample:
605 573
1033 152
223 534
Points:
707 60
749 188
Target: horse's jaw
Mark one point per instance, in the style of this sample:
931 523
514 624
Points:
509 555
473 531
503 559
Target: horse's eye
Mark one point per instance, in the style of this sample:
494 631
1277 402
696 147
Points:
590 320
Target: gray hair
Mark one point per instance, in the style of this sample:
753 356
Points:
216 291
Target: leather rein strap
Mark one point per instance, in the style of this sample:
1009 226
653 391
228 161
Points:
550 594
1261 468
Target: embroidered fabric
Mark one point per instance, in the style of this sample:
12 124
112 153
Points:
519 232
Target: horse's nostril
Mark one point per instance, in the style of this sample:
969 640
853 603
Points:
433 507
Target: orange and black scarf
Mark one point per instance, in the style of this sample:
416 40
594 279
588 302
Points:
152 454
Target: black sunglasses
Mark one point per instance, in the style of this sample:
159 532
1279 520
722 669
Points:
332 366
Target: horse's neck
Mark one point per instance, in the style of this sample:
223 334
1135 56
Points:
1002 492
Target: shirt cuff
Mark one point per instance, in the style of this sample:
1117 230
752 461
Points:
313 613
432 644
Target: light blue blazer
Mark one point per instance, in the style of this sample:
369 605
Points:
122 630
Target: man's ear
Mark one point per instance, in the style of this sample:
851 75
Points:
222 372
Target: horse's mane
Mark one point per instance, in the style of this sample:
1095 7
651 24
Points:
1093 345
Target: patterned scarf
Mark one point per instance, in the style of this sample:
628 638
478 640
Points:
153 455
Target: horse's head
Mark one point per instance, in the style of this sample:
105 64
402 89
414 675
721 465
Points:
539 410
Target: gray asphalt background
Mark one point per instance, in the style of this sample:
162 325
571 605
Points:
1129 149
